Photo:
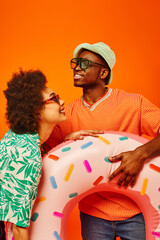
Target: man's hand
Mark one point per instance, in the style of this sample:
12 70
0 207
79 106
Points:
131 165
79 135
132 162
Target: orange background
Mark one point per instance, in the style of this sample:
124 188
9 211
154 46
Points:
43 34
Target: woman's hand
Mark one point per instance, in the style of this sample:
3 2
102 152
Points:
79 135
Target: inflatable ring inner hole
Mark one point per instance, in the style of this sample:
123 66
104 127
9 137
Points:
71 209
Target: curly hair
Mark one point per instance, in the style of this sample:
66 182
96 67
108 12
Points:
24 101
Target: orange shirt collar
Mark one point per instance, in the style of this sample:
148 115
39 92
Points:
91 107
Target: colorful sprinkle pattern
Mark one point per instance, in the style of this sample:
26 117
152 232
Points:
53 157
88 165
56 235
104 140
156 234
69 172
106 159
41 199
86 145
144 187
53 182
98 180
72 195
34 217
66 149
58 214
155 168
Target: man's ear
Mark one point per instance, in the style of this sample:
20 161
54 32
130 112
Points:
104 73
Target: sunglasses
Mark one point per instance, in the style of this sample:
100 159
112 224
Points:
54 98
82 62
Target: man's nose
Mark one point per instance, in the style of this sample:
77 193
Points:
77 67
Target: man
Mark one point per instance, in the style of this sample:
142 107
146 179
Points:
107 215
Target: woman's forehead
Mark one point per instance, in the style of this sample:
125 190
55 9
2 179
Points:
47 91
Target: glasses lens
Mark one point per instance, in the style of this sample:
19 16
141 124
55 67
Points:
55 98
73 63
83 63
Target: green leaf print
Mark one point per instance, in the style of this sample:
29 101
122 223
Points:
17 153
19 190
22 164
34 171
27 171
23 212
14 207
13 156
20 170
4 165
19 183
27 182
9 186
33 179
11 168
17 201
15 214
7 194
6 210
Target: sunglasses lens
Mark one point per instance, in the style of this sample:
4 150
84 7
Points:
73 63
56 98
84 63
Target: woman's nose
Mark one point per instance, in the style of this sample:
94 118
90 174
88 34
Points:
61 102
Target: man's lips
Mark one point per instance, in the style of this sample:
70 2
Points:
77 76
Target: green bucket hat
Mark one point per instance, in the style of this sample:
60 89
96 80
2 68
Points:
100 48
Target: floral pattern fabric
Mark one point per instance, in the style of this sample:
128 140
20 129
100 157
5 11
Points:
20 172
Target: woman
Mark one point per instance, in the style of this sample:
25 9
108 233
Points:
32 111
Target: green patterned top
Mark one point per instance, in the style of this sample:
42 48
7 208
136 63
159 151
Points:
20 172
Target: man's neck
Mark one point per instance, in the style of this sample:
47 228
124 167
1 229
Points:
91 95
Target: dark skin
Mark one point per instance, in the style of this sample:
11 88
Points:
132 162
92 80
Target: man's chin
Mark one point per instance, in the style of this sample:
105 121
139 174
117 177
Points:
77 84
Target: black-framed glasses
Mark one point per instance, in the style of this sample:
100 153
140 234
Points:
54 98
82 62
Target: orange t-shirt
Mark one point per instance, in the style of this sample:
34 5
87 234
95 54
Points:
115 111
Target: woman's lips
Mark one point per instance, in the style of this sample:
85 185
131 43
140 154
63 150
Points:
62 111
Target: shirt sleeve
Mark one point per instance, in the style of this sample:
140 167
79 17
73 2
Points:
22 167
150 118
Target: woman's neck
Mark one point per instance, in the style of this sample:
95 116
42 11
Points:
45 131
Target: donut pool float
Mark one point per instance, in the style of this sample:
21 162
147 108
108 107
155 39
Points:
75 169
